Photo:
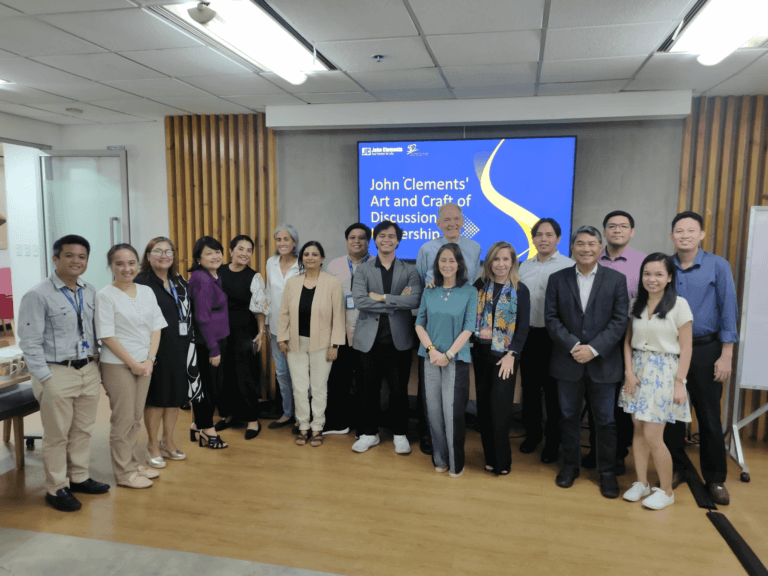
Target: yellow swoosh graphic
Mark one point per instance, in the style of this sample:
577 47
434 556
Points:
523 217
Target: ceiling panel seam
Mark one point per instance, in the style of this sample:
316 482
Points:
423 37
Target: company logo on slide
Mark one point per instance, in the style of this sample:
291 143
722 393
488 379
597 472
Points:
414 151
366 152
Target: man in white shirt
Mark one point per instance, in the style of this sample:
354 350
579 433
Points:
339 413
534 359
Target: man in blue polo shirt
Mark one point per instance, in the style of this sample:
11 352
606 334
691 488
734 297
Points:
706 282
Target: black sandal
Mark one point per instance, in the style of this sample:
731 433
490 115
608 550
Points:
212 442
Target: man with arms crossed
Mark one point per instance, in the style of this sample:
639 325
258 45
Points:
706 282
57 337
340 411
450 220
586 313
536 353
385 291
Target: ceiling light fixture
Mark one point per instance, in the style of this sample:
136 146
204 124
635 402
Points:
246 29
721 27
5 81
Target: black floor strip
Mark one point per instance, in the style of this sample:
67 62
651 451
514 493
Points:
696 484
744 553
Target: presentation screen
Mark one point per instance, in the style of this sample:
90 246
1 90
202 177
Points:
503 187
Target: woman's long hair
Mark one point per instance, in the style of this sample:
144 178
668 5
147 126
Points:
514 274
146 267
669 297
461 273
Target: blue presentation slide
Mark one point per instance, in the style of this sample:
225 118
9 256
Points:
503 186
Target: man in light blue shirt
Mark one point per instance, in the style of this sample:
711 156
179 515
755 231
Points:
450 220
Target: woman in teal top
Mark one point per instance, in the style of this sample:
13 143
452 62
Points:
444 324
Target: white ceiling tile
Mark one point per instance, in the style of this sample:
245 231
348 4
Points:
4 54
347 19
69 120
233 84
572 14
177 62
125 119
495 91
259 101
489 48
441 17
58 6
683 71
591 69
316 82
741 85
155 87
355 55
336 98
160 2
600 87
604 41
5 11
122 30
140 107
400 79
414 94
19 94
30 112
23 71
100 66
90 111
30 37
208 105
84 91
494 75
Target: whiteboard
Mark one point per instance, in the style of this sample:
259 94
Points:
753 336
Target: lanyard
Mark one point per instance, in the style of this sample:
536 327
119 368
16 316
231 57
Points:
79 310
352 270
176 297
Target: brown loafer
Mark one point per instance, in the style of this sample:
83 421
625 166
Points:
718 493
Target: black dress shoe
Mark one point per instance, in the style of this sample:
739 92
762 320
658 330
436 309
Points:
567 476
64 501
589 461
250 434
425 445
89 486
550 454
609 486
223 424
529 445
678 477
274 425
620 467
718 493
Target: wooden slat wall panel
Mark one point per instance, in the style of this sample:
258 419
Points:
724 173
221 183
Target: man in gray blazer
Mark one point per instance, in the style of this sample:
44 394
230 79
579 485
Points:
385 290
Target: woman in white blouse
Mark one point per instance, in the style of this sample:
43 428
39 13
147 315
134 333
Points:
128 323
657 355
280 267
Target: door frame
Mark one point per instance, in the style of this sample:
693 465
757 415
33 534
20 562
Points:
122 155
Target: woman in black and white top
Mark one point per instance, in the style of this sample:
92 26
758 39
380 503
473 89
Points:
128 323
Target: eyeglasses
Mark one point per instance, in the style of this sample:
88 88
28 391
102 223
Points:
619 226
162 252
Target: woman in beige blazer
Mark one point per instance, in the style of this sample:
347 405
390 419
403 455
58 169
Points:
309 333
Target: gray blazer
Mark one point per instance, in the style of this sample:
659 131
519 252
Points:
368 279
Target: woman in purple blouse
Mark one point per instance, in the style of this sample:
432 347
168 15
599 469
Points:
212 328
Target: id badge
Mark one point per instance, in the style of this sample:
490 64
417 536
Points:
182 328
81 351
350 302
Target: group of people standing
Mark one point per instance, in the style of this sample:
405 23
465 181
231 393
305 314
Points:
335 336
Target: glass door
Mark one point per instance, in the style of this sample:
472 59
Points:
86 193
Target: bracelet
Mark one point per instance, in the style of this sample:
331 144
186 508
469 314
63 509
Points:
430 348
450 355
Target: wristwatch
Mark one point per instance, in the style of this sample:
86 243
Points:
430 348
153 358
450 355
335 346
683 380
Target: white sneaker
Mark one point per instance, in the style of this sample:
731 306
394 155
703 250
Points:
366 441
402 446
441 469
637 491
148 472
136 481
456 474
658 500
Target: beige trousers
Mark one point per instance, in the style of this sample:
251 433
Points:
68 402
309 370
127 396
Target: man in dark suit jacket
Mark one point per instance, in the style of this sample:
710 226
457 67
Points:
586 314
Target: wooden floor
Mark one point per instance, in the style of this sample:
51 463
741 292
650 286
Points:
378 513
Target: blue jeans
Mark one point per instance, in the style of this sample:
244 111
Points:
283 377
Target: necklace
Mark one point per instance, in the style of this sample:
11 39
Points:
448 292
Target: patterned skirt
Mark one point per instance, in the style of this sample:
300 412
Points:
653 400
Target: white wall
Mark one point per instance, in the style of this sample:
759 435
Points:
147 183
26 130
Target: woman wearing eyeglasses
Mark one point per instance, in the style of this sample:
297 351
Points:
175 379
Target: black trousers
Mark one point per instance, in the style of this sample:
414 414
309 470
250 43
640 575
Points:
625 430
384 361
421 404
602 398
705 396
212 382
340 412
240 394
535 378
495 397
